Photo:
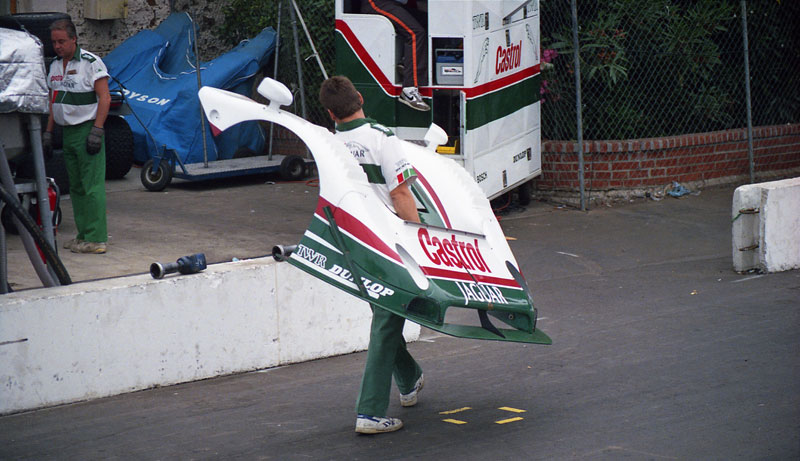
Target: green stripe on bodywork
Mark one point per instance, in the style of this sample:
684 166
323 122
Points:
428 308
76 99
429 214
383 269
498 104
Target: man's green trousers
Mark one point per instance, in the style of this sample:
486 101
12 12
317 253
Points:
87 183
387 356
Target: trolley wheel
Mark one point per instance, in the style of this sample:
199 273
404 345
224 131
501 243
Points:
159 180
293 168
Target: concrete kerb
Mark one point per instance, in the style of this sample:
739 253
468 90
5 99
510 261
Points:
106 337
766 226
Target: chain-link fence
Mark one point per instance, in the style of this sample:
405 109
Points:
654 68
649 67
297 65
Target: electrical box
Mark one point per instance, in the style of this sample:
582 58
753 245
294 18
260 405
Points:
105 9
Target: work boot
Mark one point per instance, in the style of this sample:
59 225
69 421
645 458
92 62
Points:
410 399
96 248
410 96
375 425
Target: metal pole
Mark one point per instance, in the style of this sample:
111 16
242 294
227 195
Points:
199 85
45 214
310 42
578 101
299 65
42 198
275 73
747 93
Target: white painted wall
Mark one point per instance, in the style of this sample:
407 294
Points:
775 228
101 338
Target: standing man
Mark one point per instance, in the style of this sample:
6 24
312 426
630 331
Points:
380 154
79 102
407 21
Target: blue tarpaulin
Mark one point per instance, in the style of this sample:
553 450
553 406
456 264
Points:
156 69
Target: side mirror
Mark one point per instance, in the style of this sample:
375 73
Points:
435 137
276 92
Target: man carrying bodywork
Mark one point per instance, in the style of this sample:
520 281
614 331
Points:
380 154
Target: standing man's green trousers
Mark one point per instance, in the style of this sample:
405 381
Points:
387 355
87 183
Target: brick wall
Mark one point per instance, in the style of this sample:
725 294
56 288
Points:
653 162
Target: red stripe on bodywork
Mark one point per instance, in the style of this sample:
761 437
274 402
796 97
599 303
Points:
370 64
508 80
435 198
393 90
357 229
467 277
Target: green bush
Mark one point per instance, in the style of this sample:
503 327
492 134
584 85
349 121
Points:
246 18
663 67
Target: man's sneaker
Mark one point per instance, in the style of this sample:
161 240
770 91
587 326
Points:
68 245
96 248
410 399
375 425
410 96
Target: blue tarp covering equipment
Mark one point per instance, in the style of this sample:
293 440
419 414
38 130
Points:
157 71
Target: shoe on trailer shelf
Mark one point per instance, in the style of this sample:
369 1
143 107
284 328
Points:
410 96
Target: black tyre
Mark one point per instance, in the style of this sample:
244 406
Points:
119 148
158 181
293 168
524 192
37 24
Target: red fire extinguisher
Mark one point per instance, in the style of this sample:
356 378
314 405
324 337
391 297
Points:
53 198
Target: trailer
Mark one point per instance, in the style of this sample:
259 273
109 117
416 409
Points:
484 81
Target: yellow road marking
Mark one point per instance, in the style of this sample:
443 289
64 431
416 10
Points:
454 421
509 420
450 412
515 410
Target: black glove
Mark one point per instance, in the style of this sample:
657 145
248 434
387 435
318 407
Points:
95 140
47 143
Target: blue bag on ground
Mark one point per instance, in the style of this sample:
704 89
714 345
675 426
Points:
156 69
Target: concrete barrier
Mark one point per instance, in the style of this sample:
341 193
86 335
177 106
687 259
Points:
106 337
766 226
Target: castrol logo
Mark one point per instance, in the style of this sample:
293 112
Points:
508 58
452 252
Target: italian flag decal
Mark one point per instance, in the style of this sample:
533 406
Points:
405 174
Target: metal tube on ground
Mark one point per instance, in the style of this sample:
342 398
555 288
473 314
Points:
281 253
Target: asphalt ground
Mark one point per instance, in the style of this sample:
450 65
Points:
660 350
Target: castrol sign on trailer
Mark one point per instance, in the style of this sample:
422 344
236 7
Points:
482 80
